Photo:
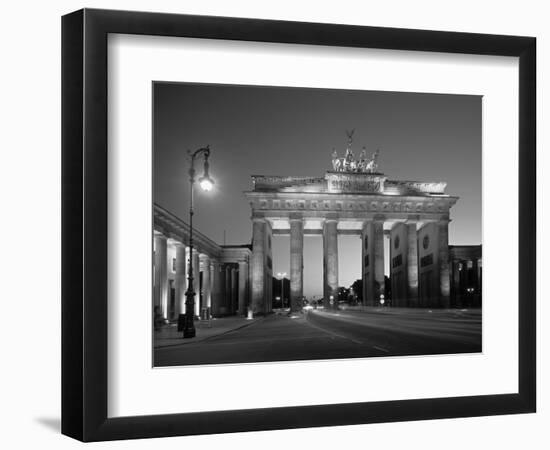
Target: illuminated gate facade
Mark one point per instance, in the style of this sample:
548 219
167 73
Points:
354 198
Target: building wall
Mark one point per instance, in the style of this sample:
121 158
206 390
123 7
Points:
398 264
369 295
215 270
428 266
466 275
217 290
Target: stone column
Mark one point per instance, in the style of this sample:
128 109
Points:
412 264
367 264
161 275
228 290
234 291
217 295
197 281
223 305
479 276
378 238
474 272
258 262
268 264
444 273
243 275
180 281
296 263
206 286
455 291
330 263
211 276
475 284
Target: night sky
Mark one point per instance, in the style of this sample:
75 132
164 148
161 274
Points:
292 131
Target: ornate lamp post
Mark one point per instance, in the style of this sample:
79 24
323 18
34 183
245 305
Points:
206 183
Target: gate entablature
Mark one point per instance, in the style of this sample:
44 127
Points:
274 204
346 182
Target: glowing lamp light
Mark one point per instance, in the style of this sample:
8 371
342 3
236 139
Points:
206 184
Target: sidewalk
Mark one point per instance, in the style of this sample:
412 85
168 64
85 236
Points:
169 335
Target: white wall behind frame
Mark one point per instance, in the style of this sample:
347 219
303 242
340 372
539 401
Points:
137 60
30 388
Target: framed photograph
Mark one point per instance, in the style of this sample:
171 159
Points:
273 225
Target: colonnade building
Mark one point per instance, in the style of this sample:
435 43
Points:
220 272
351 199
466 275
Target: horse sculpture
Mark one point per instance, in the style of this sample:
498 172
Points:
372 165
337 163
349 164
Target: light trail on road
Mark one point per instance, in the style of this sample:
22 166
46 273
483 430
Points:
326 335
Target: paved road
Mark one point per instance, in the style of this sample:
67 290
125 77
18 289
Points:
343 334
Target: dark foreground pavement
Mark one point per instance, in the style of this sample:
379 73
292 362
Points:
321 334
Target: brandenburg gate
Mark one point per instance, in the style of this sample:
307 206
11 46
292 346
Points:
354 198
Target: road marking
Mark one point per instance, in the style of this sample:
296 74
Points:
380 348
332 333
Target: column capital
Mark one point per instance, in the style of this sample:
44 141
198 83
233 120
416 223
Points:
379 218
159 235
296 217
331 217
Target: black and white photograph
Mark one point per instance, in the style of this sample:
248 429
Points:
299 224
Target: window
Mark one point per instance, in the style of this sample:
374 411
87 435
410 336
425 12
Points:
397 261
427 260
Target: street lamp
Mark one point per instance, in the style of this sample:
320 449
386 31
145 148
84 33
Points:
281 276
206 183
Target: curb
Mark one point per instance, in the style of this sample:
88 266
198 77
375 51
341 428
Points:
187 342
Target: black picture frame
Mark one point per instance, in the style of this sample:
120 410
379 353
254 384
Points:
84 224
